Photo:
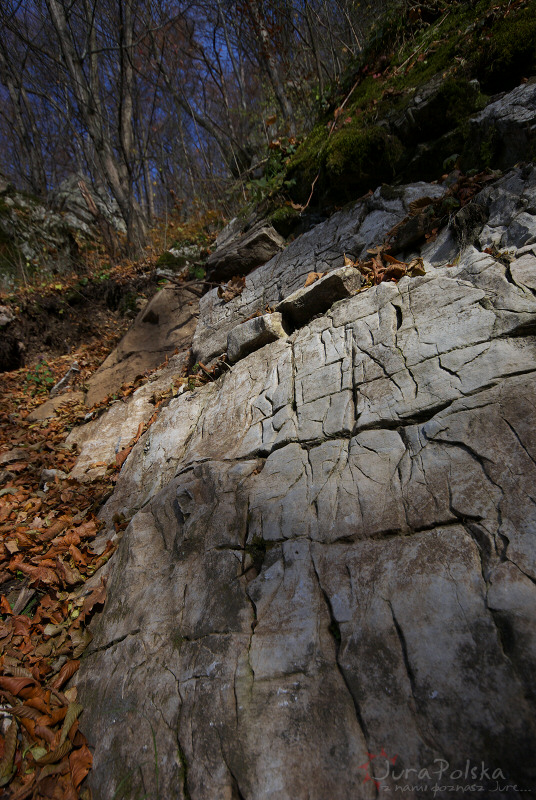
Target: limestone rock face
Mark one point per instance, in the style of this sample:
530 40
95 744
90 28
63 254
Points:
321 249
329 572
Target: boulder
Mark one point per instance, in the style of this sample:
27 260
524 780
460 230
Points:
165 325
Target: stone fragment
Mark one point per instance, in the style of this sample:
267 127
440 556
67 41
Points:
10 456
52 404
240 256
49 476
253 334
307 302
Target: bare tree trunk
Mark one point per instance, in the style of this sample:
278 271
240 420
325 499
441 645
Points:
24 122
270 64
86 90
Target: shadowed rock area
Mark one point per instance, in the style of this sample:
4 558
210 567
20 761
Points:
328 577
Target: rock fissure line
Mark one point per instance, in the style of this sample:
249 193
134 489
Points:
107 646
413 703
234 780
334 627
521 443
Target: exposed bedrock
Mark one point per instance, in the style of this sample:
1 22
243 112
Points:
331 548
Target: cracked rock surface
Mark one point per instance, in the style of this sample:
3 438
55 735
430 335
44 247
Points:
331 548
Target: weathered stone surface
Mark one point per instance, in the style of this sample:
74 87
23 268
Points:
165 324
523 271
331 553
304 304
101 439
321 249
49 407
253 334
238 256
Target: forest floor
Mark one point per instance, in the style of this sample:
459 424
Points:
47 524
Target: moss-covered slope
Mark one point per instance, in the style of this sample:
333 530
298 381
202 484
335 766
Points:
402 114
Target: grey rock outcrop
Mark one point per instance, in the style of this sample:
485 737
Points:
322 249
328 577
507 127
69 199
33 236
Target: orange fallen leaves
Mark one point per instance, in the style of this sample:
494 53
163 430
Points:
80 763
66 672
122 456
384 267
312 277
233 288
45 560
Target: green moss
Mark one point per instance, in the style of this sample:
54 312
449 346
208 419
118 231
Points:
167 259
359 159
284 219
458 98
509 53
305 164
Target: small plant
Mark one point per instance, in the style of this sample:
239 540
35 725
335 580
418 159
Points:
102 274
196 272
40 379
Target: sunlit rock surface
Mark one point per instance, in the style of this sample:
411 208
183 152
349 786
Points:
329 570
